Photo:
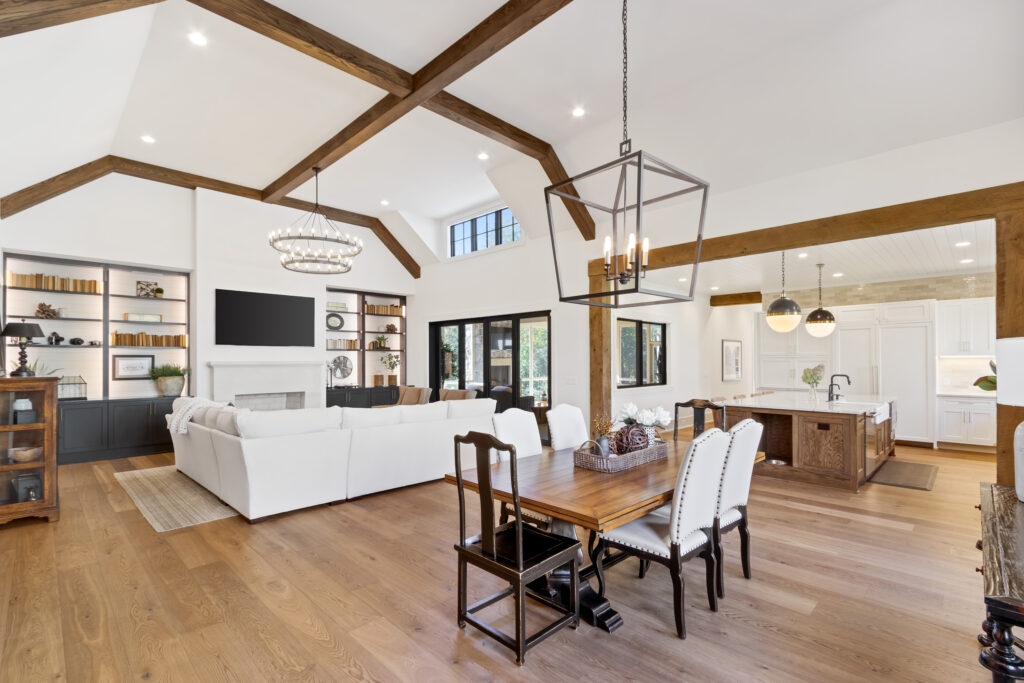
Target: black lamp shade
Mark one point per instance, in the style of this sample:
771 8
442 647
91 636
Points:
20 330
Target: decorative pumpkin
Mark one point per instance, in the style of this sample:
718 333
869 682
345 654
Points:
630 438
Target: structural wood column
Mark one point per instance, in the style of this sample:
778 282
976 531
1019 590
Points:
1009 325
600 352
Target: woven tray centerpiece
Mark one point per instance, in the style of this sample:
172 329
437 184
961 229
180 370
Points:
628 447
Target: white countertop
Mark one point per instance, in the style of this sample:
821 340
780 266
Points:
800 401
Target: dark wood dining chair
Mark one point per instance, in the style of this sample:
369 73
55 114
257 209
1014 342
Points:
514 552
687 530
699 405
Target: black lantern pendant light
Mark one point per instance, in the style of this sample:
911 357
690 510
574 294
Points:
623 189
820 323
783 314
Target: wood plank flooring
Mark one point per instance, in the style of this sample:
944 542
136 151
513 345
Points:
878 585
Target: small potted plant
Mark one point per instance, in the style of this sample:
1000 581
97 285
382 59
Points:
812 378
158 292
382 341
169 379
391 361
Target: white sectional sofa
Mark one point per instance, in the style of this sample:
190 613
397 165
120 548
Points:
265 462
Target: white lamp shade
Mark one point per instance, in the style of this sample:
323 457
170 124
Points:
783 323
820 329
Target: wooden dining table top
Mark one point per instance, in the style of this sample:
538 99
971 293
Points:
551 484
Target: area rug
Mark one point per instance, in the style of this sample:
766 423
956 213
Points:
170 500
909 475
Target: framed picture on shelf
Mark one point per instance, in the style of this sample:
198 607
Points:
132 367
145 288
732 360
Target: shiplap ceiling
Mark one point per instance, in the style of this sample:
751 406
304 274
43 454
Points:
905 256
737 92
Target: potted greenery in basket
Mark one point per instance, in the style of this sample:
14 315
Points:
169 379
158 292
391 361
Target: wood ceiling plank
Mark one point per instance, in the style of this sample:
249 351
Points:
287 29
580 214
170 176
496 31
736 299
21 16
887 220
55 186
476 119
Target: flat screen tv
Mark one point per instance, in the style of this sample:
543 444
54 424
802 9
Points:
255 319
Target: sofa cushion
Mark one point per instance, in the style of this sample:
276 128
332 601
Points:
475 408
258 424
408 396
208 417
358 418
227 419
423 413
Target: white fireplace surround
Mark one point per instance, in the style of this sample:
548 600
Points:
233 378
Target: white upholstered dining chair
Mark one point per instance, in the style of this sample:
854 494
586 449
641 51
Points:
519 428
731 512
567 427
688 529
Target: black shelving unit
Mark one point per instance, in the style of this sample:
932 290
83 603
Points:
363 359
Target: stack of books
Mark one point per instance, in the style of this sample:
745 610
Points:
52 283
144 339
337 307
384 309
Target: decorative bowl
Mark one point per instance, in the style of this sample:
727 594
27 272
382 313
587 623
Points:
24 453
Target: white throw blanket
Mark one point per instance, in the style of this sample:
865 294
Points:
186 408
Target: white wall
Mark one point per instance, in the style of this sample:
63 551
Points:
727 322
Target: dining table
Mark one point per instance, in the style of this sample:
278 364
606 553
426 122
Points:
552 484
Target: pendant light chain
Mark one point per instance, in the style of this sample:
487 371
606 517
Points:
625 75
783 273
820 266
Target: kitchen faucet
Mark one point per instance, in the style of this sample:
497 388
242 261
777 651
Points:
833 393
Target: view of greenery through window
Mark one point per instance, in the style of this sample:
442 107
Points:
641 353
533 358
488 230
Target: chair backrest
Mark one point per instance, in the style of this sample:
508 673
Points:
519 428
567 427
696 494
739 465
484 443
699 405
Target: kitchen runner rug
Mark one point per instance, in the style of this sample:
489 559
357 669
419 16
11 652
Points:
909 475
170 500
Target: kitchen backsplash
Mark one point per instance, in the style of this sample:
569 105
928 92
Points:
959 374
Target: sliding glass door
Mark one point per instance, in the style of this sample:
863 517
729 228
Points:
504 357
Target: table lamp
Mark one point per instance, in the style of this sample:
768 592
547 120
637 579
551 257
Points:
23 331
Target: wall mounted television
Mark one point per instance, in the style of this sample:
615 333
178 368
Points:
257 319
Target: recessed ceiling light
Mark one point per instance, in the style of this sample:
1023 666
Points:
384 202
963 244
148 139
714 289
682 279
578 112
966 260
197 38
483 156
837 274
803 255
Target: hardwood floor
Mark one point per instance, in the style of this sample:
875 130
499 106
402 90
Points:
878 585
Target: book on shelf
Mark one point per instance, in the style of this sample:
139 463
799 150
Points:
384 309
52 283
337 307
146 339
144 317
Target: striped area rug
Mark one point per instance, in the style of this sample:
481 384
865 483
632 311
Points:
170 500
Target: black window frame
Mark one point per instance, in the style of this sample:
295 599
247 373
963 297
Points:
662 366
471 225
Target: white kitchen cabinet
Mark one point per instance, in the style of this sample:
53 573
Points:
809 345
775 373
967 327
906 372
857 356
772 343
967 421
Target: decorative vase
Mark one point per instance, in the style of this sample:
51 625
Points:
170 386
378 380
652 434
392 380
602 443
812 393
158 295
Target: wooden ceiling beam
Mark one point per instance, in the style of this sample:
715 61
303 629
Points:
508 22
887 220
736 299
21 16
277 24
76 177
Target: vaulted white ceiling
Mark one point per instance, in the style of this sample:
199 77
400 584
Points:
735 92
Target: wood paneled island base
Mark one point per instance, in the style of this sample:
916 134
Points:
835 444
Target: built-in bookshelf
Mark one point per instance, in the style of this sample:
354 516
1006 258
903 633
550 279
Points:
364 327
114 310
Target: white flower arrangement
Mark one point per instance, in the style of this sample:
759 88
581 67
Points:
648 417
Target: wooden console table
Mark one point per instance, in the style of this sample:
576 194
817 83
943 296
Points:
1002 544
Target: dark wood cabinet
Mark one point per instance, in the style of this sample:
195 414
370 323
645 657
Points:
81 427
128 423
362 397
119 428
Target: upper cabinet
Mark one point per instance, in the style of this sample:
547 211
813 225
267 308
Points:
966 327
797 342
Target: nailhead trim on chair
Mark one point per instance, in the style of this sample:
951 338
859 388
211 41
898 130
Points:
721 481
686 478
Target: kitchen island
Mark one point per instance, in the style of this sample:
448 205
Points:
840 443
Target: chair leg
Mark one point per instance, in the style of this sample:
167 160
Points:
720 556
678 592
745 544
463 589
520 593
711 571
597 559
574 591
644 566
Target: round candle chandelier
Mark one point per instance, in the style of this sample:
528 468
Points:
313 243
820 323
783 314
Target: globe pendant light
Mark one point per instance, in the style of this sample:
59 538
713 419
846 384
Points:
820 323
314 244
783 314
623 189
